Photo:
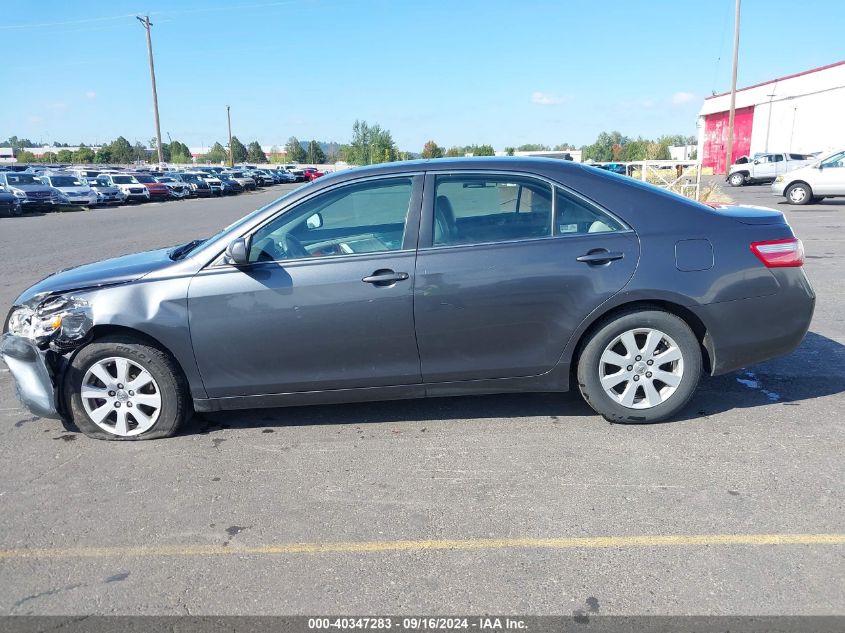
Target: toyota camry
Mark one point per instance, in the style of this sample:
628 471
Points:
419 279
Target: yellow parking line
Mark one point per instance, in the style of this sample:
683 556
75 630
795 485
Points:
428 545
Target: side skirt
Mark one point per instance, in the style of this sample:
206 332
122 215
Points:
555 381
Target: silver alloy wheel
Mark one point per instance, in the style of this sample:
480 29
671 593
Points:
641 368
120 396
797 193
737 179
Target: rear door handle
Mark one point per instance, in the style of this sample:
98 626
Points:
601 256
385 278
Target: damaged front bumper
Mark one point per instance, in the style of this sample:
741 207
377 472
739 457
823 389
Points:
40 333
33 381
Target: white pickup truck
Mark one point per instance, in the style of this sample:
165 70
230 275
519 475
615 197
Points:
765 168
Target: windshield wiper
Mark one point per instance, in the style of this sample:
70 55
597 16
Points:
180 251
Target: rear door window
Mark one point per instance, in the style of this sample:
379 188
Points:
474 209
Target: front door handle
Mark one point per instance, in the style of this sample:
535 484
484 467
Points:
385 278
600 256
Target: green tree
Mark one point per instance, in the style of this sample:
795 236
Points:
64 156
509 151
83 155
239 151
254 153
178 153
103 155
139 152
294 153
371 144
563 147
455 152
217 154
432 150
482 150
315 153
121 150
25 157
533 147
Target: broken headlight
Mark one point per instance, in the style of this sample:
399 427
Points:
61 322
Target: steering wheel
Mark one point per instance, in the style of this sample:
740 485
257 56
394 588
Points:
294 248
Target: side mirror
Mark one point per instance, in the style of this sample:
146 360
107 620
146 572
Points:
315 221
237 252
756 162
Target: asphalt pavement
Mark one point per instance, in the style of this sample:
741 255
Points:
526 504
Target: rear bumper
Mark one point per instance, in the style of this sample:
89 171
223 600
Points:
748 331
28 367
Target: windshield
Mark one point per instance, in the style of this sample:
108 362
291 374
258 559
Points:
165 179
145 179
124 180
22 179
65 181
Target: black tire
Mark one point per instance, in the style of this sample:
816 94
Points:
817 199
799 193
737 180
172 387
589 366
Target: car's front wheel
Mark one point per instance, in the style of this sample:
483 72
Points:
640 367
799 193
737 180
122 388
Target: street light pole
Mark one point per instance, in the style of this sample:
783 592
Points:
145 21
730 143
229 118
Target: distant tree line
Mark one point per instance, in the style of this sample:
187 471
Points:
370 144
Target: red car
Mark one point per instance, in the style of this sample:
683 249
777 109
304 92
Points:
311 173
158 190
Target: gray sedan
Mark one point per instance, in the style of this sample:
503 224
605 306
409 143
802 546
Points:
415 279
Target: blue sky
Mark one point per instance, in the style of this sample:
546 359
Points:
456 71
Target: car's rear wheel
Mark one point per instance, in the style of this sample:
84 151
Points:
736 180
640 367
122 388
799 193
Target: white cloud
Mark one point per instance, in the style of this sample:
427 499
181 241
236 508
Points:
34 119
680 98
542 98
58 106
91 94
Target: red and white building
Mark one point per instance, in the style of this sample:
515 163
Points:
801 113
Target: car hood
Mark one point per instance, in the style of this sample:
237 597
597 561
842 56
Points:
102 189
108 272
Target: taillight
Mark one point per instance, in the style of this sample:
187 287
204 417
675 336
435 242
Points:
780 253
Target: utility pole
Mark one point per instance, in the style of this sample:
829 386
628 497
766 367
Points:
229 118
730 144
145 21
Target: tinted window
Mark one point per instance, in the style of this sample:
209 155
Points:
65 181
776 158
363 218
473 209
576 216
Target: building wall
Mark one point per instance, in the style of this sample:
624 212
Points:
714 145
798 113
809 123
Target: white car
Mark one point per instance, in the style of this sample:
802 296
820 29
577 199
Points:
131 188
824 178
71 189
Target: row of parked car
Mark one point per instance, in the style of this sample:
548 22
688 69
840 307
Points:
43 188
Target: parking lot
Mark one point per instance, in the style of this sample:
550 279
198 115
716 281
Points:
509 504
